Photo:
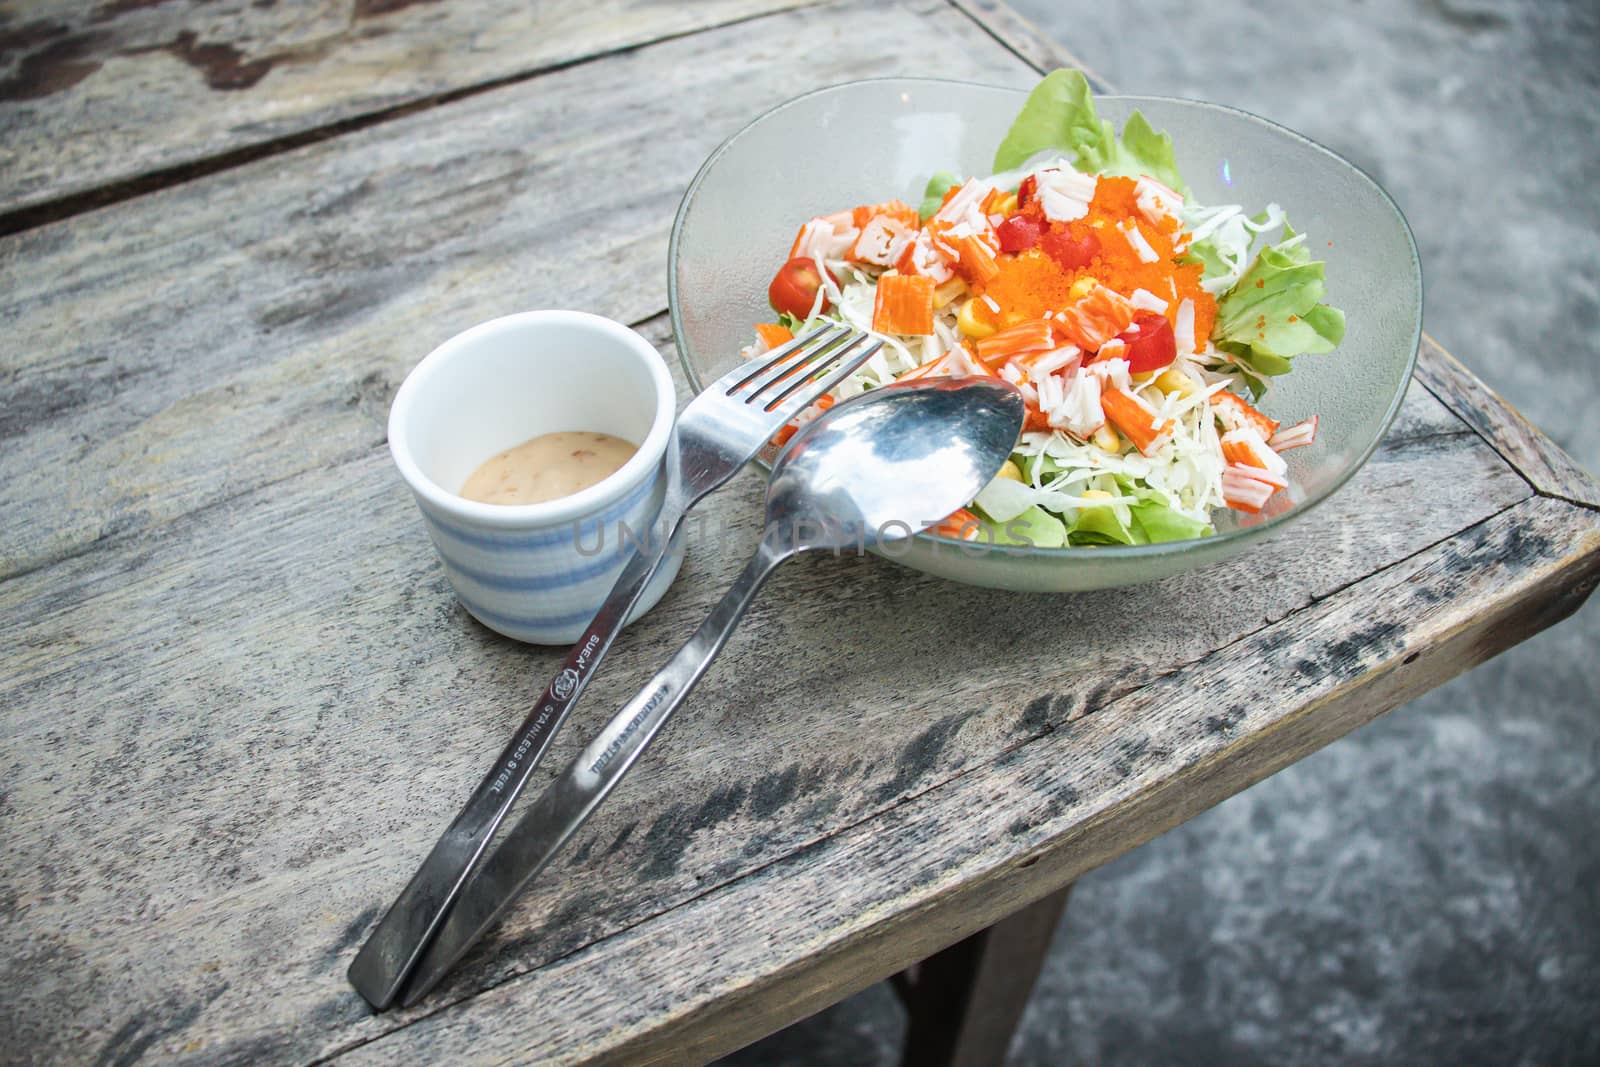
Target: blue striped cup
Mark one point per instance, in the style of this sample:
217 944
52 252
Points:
536 572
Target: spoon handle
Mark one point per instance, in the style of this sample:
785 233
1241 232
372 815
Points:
569 801
396 943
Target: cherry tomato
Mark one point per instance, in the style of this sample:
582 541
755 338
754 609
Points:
794 287
1018 233
1150 343
1072 253
1027 190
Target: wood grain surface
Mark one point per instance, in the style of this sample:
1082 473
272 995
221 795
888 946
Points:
97 97
241 701
227 333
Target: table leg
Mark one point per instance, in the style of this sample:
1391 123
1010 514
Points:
964 1003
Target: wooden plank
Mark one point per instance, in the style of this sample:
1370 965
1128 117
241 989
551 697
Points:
1026 41
790 938
290 707
109 93
257 322
1539 459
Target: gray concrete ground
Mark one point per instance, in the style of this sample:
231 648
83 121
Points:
1427 890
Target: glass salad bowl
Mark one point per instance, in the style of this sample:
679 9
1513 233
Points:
868 141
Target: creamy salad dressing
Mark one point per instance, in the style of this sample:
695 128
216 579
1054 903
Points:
548 467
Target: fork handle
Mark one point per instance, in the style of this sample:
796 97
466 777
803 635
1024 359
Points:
569 801
396 944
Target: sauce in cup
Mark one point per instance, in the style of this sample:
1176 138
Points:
548 467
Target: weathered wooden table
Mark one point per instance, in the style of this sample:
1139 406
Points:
240 701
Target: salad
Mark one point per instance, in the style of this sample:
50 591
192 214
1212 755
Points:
1142 328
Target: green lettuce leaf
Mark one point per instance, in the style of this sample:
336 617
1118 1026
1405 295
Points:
933 195
1034 528
1275 313
1059 115
1158 521
1103 524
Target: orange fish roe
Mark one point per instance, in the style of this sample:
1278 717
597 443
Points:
1030 284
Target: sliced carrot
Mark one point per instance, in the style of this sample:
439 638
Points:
1137 420
1035 335
1096 317
1234 412
904 305
960 524
772 335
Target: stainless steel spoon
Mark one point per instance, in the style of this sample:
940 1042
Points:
874 469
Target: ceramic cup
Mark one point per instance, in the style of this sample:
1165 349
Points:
536 572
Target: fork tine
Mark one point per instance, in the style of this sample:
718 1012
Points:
801 366
800 347
843 368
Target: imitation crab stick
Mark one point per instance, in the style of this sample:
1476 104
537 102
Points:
880 241
1096 317
897 210
961 524
904 305
974 260
1242 491
1137 420
1296 436
1234 413
772 335
1245 447
790 428
1033 336
945 366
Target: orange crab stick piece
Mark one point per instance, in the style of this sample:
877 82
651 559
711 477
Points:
944 366
772 335
898 210
1035 335
1136 419
974 261
792 427
1234 413
961 524
904 305
1097 317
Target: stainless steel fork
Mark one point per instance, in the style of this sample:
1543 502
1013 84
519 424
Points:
717 434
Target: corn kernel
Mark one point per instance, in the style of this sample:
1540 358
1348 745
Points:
1011 318
1082 287
1172 380
1142 376
1095 494
1105 437
973 320
948 292
1008 205
1010 471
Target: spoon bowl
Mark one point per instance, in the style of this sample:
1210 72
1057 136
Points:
891 462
